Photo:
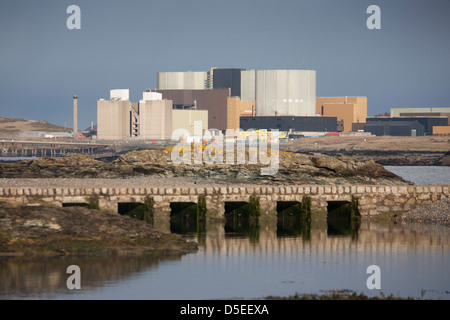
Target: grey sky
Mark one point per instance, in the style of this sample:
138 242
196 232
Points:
123 44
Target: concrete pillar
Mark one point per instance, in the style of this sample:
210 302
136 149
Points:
162 224
267 208
215 208
108 205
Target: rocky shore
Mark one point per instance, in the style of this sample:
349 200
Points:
436 212
385 150
49 231
292 168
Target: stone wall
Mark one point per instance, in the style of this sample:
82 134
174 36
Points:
370 200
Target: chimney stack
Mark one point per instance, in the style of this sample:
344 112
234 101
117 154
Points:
75 116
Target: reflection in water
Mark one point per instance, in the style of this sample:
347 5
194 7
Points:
245 259
46 277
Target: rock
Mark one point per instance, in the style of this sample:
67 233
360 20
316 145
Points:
49 231
292 167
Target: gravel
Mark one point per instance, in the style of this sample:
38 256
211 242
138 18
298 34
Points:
436 212
131 182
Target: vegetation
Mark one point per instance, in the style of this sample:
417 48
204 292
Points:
337 295
93 203
144 211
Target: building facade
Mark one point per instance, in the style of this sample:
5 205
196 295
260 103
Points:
395 128
182 80
186 119
228 79
427 122
236 109
120 119
213 101
113 116
155 119
347 109
421 112
280 92
289 123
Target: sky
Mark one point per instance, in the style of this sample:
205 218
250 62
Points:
123 44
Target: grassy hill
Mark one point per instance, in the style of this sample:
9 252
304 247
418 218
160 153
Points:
12 127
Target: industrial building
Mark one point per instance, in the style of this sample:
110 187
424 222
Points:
427 122
227 79
237 109
153 118
214 101
347 109
394 128
230 93
280 92
113 116
182 80
290 123
441 130
185 119
421 112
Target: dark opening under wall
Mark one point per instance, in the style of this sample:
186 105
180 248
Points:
240 218
75 204
138 210
342 218
183 217
292 219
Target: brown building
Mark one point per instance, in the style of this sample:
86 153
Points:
215 101
348 109
236 109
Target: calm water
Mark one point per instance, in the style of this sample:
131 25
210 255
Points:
243 261
422 175
266 260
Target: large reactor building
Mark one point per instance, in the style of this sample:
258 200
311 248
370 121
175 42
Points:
280 92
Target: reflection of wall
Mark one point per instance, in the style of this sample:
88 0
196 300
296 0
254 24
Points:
371 236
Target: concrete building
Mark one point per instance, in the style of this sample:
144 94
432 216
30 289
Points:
228 79
113 116
290 123
214 101
280 92
155 119
347 109
421 112
236 109
182 80
184 119
268 92
120 119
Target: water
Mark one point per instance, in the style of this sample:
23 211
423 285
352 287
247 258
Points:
422 175
255 261
414 261
15 159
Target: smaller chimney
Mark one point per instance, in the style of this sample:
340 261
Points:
75 116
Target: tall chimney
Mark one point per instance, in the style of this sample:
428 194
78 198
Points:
75 116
